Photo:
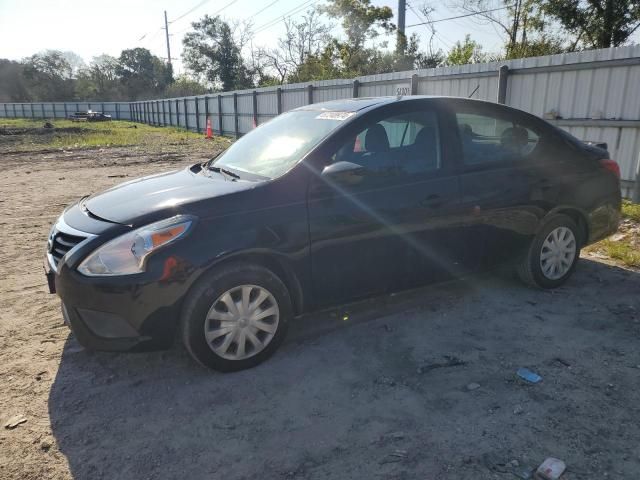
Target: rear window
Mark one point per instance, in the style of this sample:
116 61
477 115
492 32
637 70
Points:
486 138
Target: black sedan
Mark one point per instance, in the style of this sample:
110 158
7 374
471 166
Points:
321 205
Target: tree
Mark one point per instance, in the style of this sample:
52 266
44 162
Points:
100 80
302 40
361 22
520 21
596 23
48 76
211 52
464 53
12 82
543 45
144 75
184 86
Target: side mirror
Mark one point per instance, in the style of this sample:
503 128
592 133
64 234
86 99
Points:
344 172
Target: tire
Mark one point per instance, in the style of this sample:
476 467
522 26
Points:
530 269
208 298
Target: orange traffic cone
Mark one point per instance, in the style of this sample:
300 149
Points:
209 135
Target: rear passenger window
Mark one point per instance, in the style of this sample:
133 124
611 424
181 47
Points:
486 138
407 143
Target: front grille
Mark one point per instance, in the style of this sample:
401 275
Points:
61 243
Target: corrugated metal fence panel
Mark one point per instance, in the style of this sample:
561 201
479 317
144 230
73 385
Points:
293 98
267 105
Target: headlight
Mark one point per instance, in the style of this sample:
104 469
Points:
126 254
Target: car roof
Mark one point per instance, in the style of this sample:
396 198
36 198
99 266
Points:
365 103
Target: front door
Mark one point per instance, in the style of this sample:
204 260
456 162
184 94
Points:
392 222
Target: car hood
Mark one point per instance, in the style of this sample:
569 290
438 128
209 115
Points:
166 193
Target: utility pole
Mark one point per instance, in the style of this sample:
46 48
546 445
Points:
166 31
401 42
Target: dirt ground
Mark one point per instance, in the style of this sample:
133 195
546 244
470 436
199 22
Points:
416 385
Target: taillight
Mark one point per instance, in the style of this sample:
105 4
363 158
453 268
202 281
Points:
612 166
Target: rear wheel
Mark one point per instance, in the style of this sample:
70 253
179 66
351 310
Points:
553 253
236 317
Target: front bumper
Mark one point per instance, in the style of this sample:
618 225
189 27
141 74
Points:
133 312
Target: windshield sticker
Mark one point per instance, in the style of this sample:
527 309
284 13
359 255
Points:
335 115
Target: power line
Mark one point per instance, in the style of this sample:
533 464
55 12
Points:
460 16
262 10
287 14
190 11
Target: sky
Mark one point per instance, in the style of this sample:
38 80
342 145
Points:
93 27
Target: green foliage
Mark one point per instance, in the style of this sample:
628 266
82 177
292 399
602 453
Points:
466 52
184 86
536 48
13 87
211 51
48 76
631 210
361 22
596 23
143 74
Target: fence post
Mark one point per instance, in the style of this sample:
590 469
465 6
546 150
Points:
41 108
6 115
65 110
102 107
53 105
255 108
197 114
503 79
206 111
177 113
356 87
117 111
414 84
220 114
15 115
310 94
235 115
186 114
22 109
32 114
635 194
279 100
164 115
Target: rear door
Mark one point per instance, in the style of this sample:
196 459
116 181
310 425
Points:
393 224
507 176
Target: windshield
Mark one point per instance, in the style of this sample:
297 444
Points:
273 148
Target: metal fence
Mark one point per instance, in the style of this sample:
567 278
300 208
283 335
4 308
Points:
49 110
595 95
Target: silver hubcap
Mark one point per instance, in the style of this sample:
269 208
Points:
241 322
558 253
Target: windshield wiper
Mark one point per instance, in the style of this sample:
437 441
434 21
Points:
231 174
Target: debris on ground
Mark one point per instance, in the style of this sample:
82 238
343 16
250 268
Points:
394 457
472 386
528 375
14 421
550 469
450 361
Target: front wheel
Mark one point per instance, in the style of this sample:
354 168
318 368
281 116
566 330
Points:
236 317
553 253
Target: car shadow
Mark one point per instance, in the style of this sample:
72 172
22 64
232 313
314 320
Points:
319 404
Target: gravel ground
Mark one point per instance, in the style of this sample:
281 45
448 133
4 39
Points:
420 384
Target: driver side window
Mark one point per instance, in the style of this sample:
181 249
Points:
402 144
